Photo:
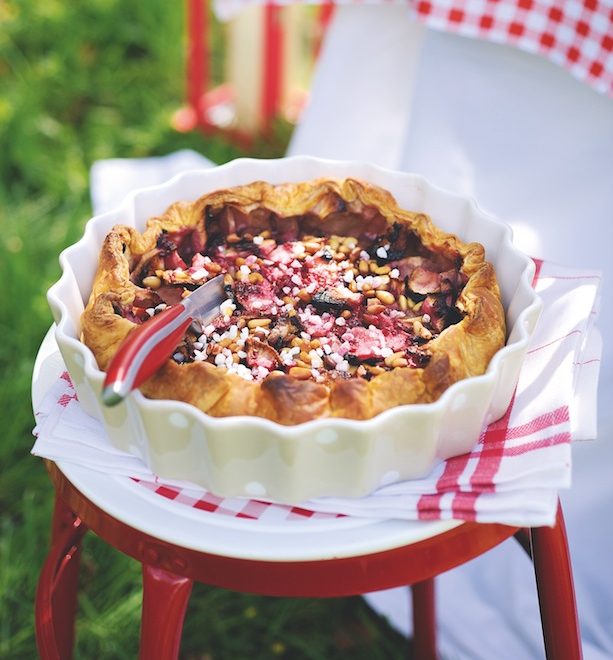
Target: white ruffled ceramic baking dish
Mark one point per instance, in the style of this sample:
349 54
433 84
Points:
249 456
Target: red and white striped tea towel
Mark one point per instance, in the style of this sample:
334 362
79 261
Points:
511 476
575 34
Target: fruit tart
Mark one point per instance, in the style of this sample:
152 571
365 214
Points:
339 303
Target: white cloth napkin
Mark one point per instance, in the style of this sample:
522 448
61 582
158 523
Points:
515 471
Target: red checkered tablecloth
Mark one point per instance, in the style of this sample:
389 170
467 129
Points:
235 507
575 34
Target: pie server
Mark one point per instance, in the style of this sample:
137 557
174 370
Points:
148 347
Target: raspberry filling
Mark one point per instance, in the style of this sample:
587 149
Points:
315 305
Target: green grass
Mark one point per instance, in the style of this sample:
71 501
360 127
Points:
80 82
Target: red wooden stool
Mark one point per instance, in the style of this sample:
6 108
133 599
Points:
178 544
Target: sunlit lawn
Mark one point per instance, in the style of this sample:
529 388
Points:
80 82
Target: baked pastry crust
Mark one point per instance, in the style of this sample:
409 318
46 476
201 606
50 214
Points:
347 208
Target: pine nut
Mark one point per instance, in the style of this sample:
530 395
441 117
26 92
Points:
402 303
346 314
228 280
213 268
233 238
363 267
258 323
420 331
386 297
152 282
311 247
300 373
305 296
255 278
382 270
399 362
389 360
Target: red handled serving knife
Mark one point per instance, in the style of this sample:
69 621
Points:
148 347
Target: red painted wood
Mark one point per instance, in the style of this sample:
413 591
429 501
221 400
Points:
272 66
65 593
326 11
522 536
56 593
424 620
165 599
197 58
554 580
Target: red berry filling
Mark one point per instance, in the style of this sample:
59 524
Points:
315 305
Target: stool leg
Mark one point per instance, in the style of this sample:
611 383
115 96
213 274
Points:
165 598
556 592
424 620
66 590
56 592
522 536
